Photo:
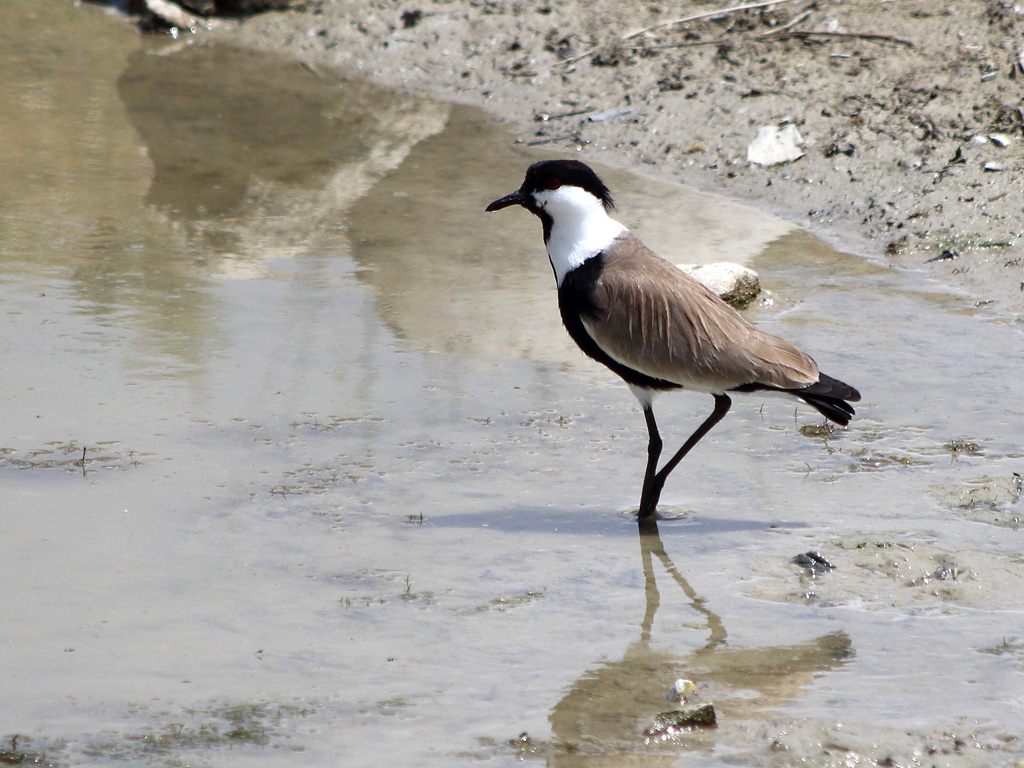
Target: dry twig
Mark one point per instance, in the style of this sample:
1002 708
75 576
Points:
787 30
789 24
808 33
700 16
684 20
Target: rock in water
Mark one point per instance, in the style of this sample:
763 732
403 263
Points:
734 284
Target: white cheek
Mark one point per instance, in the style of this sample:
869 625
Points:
570 203
580 227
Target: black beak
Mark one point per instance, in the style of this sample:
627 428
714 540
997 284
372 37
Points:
516 198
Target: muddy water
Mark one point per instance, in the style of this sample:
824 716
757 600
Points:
298 467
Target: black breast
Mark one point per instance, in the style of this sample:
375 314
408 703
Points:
575 301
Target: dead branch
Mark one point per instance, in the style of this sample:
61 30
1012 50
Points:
807 33
684 20
701 16
783 32
791 23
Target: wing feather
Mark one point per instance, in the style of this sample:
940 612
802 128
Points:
651 316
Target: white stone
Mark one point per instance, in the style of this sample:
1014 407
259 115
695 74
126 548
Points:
775 144
735 284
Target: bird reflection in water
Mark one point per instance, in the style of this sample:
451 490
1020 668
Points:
602 716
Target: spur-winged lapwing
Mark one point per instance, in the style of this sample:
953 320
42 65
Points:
650 322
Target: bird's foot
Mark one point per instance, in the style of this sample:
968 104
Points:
668 514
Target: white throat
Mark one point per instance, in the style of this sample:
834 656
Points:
580 227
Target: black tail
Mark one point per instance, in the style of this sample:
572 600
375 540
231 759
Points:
828 395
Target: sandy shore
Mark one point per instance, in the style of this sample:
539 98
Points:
910 114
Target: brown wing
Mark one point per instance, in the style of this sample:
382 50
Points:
656 319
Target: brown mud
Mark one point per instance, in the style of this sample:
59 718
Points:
910 113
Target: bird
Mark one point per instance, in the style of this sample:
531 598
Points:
652 324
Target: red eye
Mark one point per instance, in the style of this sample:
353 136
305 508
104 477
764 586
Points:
554 183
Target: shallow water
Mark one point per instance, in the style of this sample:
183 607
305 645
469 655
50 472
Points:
299 467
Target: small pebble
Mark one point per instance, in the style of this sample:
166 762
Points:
600 117
813 562
681 690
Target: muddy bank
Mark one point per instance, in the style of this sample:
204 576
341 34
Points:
909 114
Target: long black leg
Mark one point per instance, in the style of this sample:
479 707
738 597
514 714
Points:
654 446
652 488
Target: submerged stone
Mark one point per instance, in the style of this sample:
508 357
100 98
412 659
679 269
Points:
666 724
